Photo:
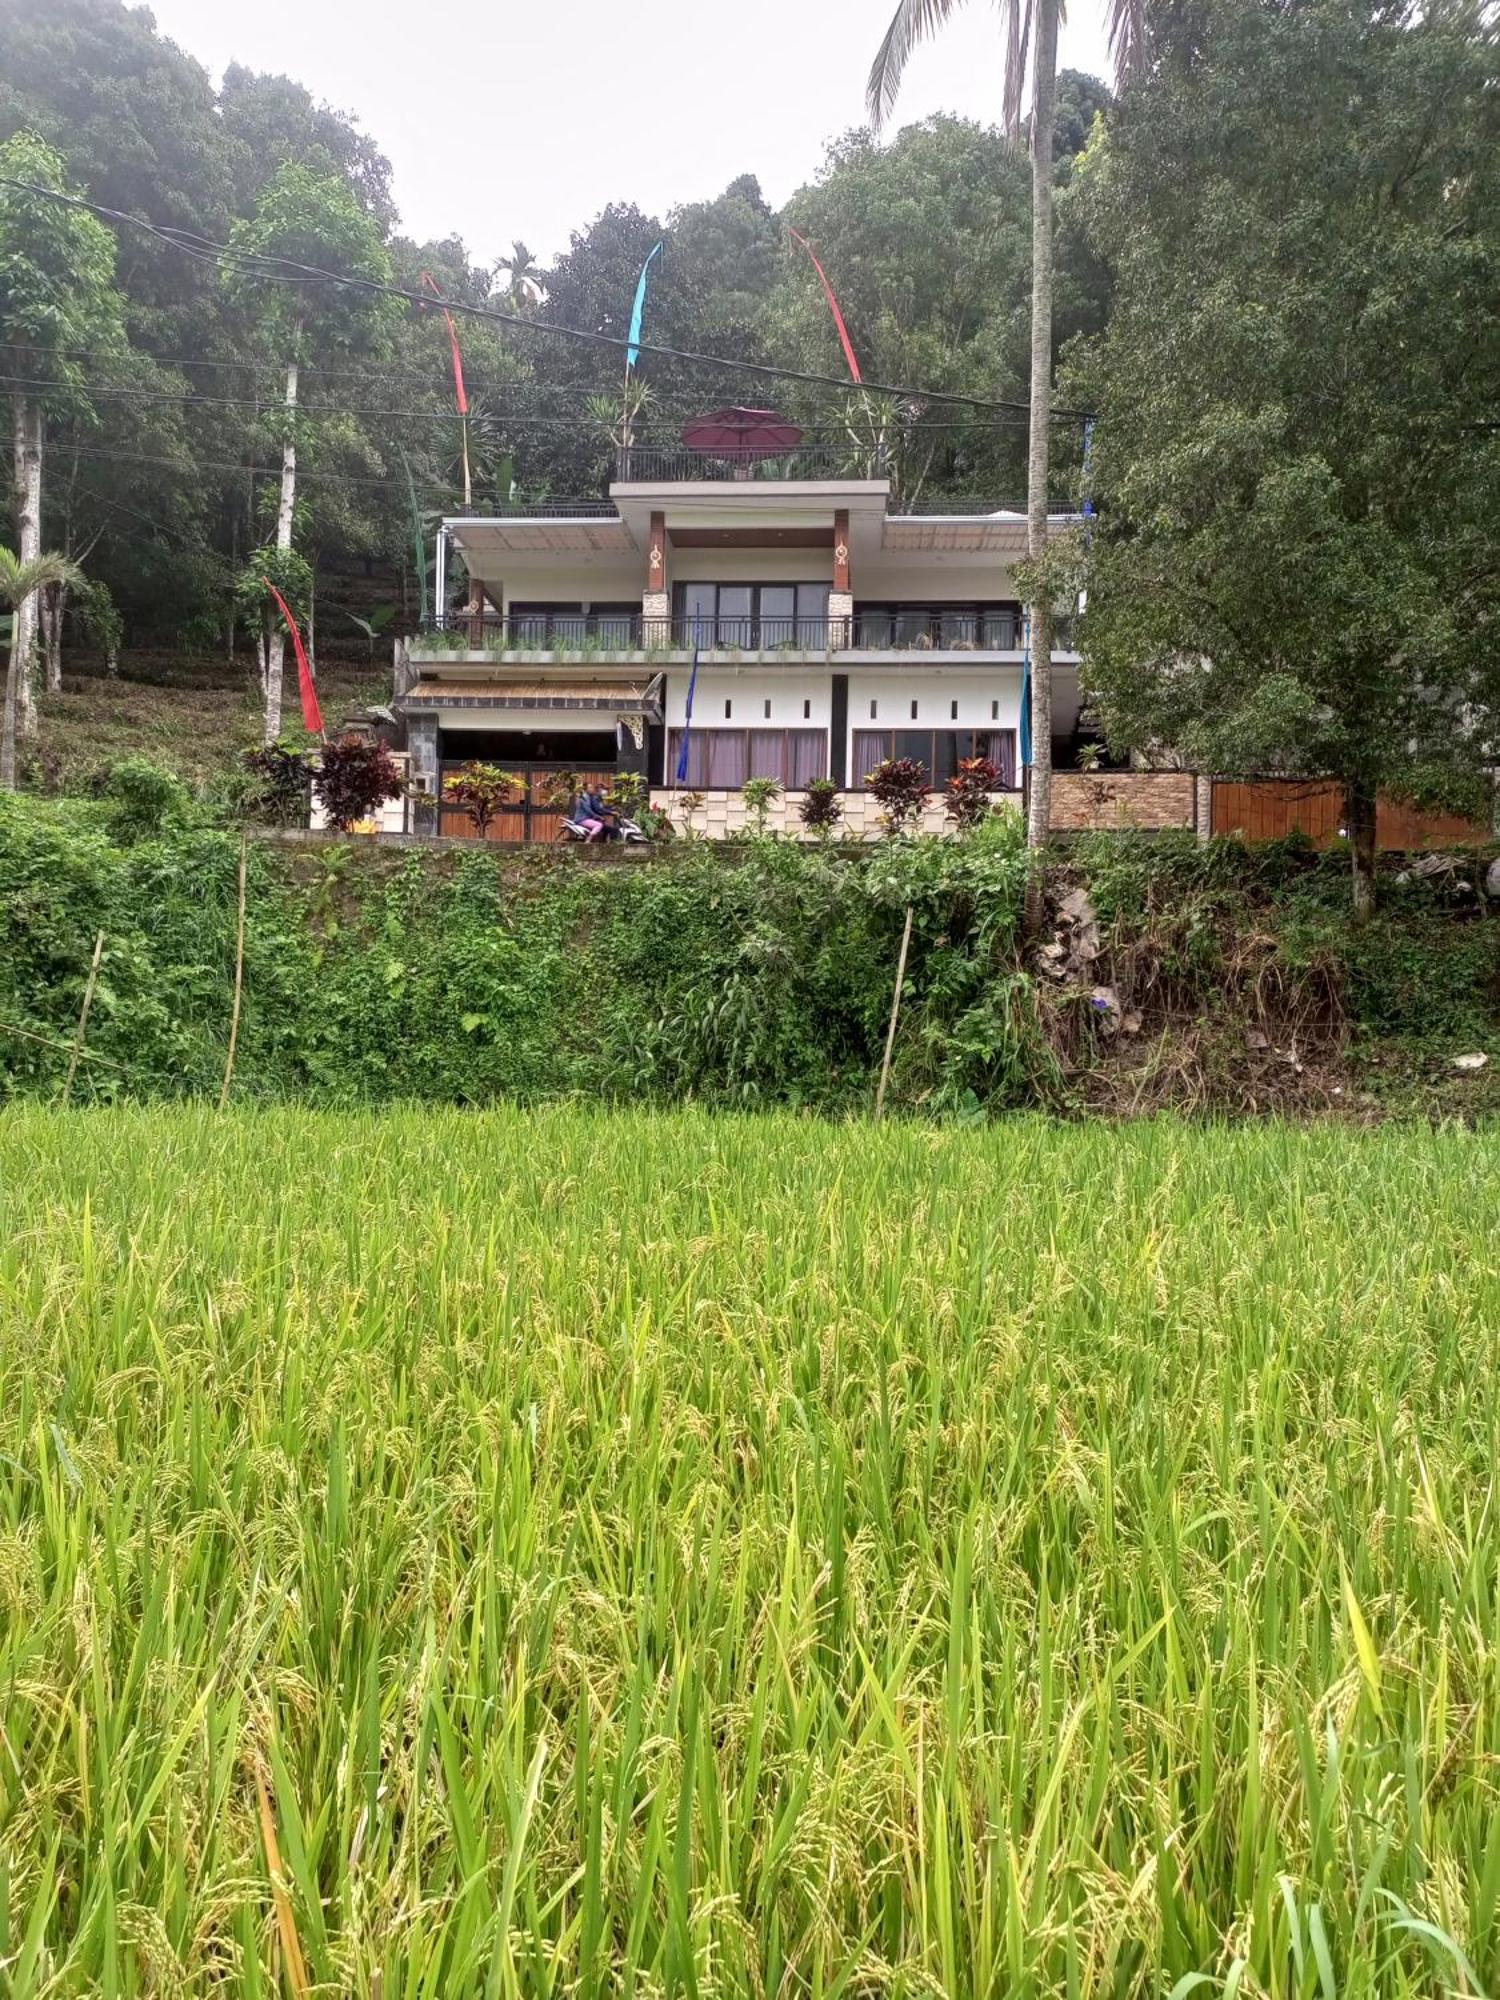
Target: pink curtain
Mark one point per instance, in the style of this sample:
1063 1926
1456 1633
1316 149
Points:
871 747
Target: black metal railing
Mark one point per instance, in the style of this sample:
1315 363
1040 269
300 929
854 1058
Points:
919 630
771 634
649 464
934 629
590 507
539 632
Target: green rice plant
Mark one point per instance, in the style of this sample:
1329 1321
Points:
583 1553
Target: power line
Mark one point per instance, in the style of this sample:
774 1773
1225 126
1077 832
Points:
271 403
288 271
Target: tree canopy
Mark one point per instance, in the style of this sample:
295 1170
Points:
170 473
1297 459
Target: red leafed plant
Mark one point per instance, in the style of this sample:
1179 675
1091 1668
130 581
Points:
356 778
482 790
968 796
901 786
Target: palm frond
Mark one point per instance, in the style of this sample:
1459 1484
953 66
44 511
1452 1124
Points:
1128 44
913 21
18 580
1017 49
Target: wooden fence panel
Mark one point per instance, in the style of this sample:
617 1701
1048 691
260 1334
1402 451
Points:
1271 808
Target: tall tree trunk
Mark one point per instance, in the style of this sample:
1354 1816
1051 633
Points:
1359 817
234 568
51 606
277 650
1044 96
28 457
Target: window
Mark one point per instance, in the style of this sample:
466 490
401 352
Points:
939 751
914 711
753 615
806 711
768 709
725 758
954 628
728 710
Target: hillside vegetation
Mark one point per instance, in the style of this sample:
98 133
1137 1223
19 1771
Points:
192 713
1217 978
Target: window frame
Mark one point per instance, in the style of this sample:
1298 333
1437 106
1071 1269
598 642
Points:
750 626
930 761
784 730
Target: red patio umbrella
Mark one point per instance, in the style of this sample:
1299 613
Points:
741 434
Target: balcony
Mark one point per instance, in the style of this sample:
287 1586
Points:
619 634
650 465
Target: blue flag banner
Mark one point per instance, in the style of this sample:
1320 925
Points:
687 726
1026 691
638 310
1088 469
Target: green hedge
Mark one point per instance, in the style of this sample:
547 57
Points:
762 975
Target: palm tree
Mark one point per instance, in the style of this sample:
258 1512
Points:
18 581
914 21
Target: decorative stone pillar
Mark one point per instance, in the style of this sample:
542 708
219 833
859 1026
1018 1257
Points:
422 766
1203 807
840 619
841 596
656 598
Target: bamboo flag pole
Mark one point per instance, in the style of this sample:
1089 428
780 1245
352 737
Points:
239 982
890 1033
83 1017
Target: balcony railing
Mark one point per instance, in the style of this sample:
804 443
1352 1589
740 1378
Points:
932 628
604 634
649 464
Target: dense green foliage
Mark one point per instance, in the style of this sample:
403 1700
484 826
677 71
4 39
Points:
1297 461
669 1554
761 976
168 476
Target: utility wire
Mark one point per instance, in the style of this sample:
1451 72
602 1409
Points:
272 402
288 271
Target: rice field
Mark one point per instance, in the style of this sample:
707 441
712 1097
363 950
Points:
579 1553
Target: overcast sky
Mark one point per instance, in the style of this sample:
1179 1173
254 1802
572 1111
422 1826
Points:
503 120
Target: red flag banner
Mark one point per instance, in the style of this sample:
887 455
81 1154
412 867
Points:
833 304
459 392
312 715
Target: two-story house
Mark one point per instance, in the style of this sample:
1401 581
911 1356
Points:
830 632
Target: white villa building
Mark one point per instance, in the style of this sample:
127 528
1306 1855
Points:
830 632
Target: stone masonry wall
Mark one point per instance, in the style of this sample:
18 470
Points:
1112 799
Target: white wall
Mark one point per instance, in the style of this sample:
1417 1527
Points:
748 694
935 691
570 579
892 689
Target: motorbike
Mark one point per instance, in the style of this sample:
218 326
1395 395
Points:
623 829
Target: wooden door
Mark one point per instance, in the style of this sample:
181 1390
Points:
545 818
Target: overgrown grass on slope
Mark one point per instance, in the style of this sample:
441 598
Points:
661 1554
194 716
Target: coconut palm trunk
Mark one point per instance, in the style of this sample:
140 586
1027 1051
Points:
912 22
276 648
27 445
19 585
1039 455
